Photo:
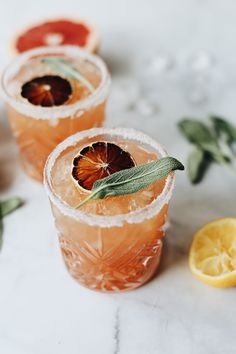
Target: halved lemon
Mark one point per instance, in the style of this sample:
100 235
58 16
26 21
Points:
212 256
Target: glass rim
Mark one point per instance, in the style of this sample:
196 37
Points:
133 217
57 112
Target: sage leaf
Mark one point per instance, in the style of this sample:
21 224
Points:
65 68
1 231
197 164
133 179
8 206
199 134
224 129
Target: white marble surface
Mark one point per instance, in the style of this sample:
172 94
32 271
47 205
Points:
42 309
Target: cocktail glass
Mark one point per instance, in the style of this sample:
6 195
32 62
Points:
39 129
113 244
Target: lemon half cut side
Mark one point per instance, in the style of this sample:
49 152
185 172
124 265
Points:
212 257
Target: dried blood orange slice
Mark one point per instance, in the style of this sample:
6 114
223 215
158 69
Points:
47 91
97 161
58 32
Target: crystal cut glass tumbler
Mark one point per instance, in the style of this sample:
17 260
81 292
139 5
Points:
39 129
113 244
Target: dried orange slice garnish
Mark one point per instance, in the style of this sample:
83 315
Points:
97 161
47 91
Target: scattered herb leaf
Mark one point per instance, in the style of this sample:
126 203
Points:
197 164
64 67
7 207
1 231
222 127
212 143
199 134
133 179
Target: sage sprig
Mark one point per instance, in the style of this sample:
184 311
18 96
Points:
133 179
64 67
212 142
224 129
200 135
197 164
7 207
226 134
1 231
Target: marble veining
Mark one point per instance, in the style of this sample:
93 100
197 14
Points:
117 331
43 310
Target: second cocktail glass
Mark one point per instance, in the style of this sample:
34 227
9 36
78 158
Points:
27 85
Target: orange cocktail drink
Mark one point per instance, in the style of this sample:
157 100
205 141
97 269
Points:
111 244
45 105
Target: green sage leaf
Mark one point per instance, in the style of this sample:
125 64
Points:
133 179
65 68
197 164
199 134
1 231
9 205
224 129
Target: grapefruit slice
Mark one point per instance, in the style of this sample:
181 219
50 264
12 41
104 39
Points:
97 161
57 32
47 91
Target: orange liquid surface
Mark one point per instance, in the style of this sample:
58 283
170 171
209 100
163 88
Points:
36 138
108 258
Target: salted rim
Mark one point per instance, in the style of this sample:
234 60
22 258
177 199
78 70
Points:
59 111
136 216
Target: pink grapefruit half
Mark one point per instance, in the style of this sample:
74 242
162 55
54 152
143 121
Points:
56 32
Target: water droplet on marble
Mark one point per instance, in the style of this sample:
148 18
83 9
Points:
124 93
160 62
200 61
145 107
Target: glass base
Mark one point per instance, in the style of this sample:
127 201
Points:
120 273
